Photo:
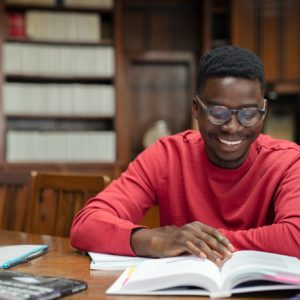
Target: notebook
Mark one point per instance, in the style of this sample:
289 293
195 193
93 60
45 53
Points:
16 285
12 255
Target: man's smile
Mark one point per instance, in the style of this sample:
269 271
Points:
229 142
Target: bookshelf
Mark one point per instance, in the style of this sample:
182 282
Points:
147 40
58 85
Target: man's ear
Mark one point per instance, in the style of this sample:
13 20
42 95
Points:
195 108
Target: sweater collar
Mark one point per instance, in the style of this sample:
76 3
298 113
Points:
217 173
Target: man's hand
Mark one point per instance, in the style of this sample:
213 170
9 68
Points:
195 238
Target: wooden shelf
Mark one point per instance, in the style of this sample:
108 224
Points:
58 117
20 7
111 169
104 42
57 79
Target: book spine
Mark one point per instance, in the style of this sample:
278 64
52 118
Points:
16 25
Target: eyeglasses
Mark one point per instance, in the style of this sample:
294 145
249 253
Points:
218 115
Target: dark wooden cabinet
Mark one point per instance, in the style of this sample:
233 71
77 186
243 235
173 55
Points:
271 28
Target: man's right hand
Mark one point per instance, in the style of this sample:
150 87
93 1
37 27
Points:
194 238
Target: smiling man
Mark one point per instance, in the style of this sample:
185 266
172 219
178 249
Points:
226 188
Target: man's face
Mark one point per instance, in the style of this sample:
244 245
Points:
227 145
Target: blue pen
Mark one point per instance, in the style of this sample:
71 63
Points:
25 257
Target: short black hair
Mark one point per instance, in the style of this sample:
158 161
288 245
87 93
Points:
230 61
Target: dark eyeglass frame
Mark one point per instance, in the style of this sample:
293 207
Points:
262 111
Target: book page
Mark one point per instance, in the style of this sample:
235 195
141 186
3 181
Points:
174 272
103 261
249 265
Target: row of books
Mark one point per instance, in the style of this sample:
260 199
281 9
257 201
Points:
67 3
58 99
55 26
58 60
60 146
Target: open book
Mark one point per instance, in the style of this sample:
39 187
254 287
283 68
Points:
245 271
12 255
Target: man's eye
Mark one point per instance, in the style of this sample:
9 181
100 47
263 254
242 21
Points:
249 113
218 111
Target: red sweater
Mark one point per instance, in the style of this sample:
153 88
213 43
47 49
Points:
256 206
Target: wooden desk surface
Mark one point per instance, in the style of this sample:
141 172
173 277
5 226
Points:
63 261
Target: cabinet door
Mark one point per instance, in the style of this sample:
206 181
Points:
291 40
255 26
161 87
244 24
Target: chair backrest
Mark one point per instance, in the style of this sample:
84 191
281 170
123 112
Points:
151 218
14 190
55 198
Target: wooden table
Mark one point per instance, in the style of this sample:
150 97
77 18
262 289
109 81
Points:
63 261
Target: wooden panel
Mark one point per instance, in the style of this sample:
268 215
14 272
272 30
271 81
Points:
244 24
269 42
291 40
134 30
162 25
3 28
187 29
161 88
159 33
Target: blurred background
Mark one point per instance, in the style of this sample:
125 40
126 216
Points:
86 85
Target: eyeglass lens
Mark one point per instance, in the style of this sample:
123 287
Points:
247 116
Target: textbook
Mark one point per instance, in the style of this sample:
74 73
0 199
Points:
103 261
16 254
17 285
246 271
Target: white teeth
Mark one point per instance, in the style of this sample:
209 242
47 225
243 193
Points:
230 143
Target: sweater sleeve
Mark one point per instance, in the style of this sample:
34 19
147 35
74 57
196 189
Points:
106 221
283 236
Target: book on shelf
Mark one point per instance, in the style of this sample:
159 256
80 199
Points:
59 99
58 60
63 26
60 146
16 25
12 255
246 271
103 261
17 285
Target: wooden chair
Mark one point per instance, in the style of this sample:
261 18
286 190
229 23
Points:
151 218
14 190
55 198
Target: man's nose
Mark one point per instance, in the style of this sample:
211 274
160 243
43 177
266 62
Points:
232 125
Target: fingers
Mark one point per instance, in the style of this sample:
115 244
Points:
206 242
